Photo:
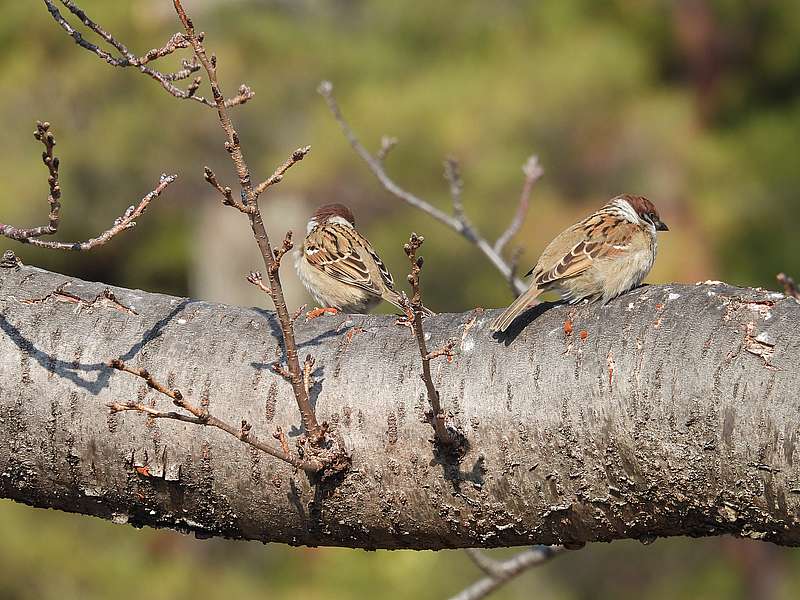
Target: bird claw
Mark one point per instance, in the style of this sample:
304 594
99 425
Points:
322 310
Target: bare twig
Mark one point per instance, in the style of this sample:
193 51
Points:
298 311
499 573
126 58
225 192
281 370
277 176
452 174
533 171
257 280
175 42
789 286
199 415
387 145
31 236
414 314
308 366
279 252
281 437
446 350
457 222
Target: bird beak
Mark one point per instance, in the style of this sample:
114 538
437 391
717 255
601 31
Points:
660 226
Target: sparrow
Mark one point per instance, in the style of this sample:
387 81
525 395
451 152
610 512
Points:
338 265
605 255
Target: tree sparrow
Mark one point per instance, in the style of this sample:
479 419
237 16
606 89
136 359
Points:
599 258
339 267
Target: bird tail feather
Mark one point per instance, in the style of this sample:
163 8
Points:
516 308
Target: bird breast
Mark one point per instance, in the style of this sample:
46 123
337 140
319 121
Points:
327 291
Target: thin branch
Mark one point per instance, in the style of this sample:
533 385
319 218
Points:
277 176
279 252
126 58
44 135
31 236
415 311
499 573
387 145
257 280
533 172
375 164
225 192
250 196
199 415
452 174
175 42
789 286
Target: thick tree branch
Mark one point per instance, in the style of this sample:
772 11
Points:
670 411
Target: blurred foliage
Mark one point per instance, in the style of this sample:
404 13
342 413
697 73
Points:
692 102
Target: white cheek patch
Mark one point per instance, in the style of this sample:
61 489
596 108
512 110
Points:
626 210
340 221
312 251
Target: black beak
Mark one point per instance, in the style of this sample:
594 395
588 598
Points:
661 226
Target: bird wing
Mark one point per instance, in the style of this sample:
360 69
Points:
599 236
342 253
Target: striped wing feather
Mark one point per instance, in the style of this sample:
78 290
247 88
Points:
599 236
340 252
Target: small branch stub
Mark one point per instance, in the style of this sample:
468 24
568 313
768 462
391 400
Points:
789 286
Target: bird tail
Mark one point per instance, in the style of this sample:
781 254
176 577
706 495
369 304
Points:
517 307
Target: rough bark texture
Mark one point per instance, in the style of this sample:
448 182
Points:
671 411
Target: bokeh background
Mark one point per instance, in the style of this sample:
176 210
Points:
693 103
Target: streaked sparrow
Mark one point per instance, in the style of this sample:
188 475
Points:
338 265
599 258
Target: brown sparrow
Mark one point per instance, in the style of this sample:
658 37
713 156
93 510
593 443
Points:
599 258
338 265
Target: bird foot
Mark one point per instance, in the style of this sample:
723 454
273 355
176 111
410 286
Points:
322 310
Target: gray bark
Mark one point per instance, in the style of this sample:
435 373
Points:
671 411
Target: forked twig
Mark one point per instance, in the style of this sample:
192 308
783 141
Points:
199 415
533 172
458 221
31 236
500 572
125 58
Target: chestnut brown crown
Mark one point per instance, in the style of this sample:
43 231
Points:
328 211
646 211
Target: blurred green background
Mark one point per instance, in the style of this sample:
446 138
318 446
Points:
693 103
